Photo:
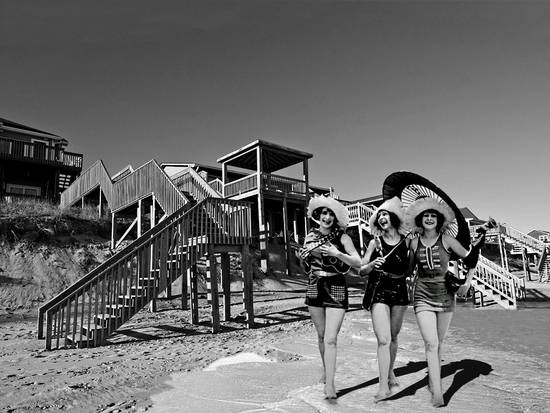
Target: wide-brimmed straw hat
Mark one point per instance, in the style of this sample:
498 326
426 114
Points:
424 204
393 205
324 201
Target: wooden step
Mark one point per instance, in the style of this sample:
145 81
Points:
106 320
117 309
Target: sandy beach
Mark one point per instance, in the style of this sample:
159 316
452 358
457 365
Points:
494 360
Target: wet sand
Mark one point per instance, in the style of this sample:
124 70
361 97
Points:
494 360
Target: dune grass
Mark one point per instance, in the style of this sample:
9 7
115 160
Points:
39 208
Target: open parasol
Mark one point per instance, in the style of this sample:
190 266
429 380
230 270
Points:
409 186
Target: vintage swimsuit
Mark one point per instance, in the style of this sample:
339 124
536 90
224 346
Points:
326 288
388 284
430 292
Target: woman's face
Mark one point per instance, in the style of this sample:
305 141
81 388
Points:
384 219
326 219
429 220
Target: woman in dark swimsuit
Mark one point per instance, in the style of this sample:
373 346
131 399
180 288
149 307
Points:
386 295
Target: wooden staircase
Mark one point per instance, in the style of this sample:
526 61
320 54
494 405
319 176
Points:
89 311
493 284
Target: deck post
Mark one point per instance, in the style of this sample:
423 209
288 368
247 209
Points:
285 235
113 230
226 285
193 293
248 287
212 289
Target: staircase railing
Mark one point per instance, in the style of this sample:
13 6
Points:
496 282
135 275
517 282
190 181
145 180
88 180
525 239
359 213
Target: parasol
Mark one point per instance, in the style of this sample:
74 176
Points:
409 186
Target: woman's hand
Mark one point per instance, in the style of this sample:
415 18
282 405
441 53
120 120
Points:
329 249
378 262
463 289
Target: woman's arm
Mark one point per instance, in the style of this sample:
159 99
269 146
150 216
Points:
413 245
366 265
455 246
350 257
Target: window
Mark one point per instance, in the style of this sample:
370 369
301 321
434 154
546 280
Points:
23 190
28 150
5 147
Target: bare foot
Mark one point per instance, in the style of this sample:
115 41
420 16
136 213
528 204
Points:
392 382
330 392
378 397
437 401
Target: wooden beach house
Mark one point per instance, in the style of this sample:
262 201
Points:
34 163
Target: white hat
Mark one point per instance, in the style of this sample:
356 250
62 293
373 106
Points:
324 201
424 204
393 205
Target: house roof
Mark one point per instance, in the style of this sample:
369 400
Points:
274 157
20 128
538 232
468 214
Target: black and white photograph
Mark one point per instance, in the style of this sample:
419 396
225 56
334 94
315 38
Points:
290 206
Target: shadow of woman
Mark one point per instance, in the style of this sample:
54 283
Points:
466 370
411 367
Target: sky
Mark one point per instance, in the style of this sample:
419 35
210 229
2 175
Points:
456 91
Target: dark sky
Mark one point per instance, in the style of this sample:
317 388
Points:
456 91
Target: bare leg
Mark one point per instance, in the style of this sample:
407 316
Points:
334 318
318 318
427 322
443 322
381 324
396 319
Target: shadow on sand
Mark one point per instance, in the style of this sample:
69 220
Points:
464 371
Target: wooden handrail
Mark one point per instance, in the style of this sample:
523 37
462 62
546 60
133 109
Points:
518 283
151 257
190 181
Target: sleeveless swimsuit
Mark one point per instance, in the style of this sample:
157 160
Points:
388 284
430 292
326 287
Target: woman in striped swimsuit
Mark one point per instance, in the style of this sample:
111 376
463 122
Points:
433 303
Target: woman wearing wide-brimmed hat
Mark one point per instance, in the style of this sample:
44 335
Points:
386 295
325 249
433 303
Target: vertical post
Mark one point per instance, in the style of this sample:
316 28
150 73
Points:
248 291
295 224
264 250
305 172
212 289
500 250
139 219
224 178
285 235
113 230
226 285
99 211
193 293
361 245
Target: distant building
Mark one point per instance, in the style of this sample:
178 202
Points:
541 235
34 163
